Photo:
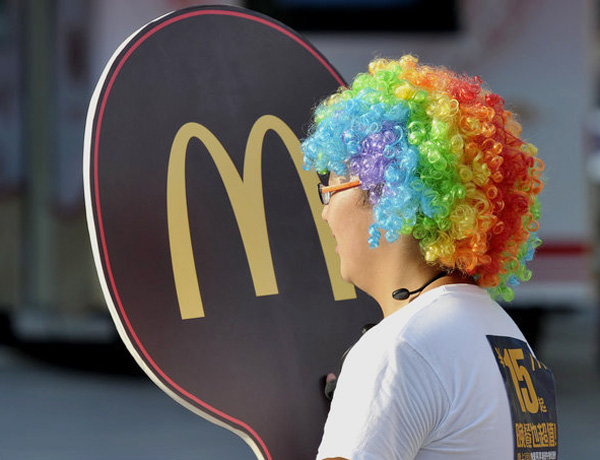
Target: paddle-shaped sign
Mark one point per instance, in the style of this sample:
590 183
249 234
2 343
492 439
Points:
218 271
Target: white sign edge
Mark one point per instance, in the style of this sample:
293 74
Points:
87 150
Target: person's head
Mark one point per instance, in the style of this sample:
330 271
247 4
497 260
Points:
440 159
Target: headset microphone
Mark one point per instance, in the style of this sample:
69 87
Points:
403 293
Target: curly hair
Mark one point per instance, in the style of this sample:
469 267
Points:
441 160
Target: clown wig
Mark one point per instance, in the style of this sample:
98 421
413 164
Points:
441 160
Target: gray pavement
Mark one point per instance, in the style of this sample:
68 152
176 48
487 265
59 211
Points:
570 349
53 413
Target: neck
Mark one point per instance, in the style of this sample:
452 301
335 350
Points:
400 265
403 267
404 294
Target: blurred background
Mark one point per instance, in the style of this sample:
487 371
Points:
69 389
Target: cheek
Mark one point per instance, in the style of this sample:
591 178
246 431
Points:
354 229
364 219
350 220
356 257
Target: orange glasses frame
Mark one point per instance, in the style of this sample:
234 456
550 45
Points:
325 191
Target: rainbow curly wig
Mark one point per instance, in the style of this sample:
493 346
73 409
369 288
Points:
441 160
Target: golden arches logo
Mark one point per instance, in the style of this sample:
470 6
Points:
246 197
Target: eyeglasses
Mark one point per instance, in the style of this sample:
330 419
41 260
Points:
325 191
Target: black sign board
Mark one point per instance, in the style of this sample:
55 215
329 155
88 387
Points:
217 269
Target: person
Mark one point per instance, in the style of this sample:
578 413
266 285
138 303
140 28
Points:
432 198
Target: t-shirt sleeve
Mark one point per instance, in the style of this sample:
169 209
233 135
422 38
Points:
386 406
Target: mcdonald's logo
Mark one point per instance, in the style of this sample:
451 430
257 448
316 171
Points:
246 197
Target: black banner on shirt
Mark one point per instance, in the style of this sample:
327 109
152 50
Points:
531 395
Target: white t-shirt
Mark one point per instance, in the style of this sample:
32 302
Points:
424 384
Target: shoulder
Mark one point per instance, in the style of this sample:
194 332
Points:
384 364
453 315
443 315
